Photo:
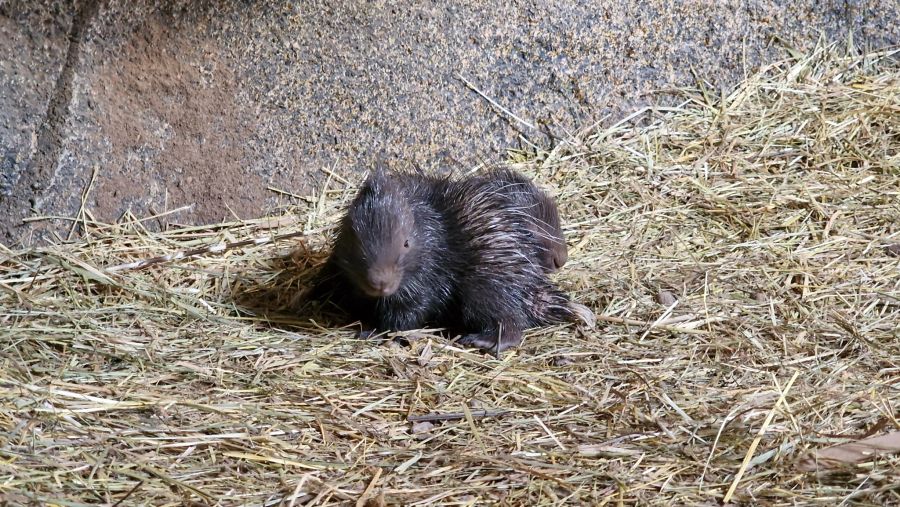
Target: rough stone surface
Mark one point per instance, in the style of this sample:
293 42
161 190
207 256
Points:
150 107
33 49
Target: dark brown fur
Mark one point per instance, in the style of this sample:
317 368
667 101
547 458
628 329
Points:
542 213
415 250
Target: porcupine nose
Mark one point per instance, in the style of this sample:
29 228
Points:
383 282
560 257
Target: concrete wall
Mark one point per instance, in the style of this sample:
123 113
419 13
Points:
158 105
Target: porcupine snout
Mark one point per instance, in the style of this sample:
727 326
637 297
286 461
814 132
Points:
560 256
382 281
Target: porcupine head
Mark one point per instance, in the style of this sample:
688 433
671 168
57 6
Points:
376 245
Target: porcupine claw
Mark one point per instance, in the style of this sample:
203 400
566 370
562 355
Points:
584 314
487 341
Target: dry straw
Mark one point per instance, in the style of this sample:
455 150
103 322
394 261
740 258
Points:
731 244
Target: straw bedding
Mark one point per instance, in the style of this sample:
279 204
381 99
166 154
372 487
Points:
740 250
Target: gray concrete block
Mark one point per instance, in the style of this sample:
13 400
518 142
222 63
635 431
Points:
209 104
33 48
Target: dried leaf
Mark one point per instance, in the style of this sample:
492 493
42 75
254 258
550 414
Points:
851 452
665 297
80 267
425 354
272 459
422 427
605 451
403 467
562 361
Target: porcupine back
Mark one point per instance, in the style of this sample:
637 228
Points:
539 209
504 288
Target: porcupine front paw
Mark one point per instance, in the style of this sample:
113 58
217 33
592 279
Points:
367 333
487 340
584 314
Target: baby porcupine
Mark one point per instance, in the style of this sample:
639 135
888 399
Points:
415 250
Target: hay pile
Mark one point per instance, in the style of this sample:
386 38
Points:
742 251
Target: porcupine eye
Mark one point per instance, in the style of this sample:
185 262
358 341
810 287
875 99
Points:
403 251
